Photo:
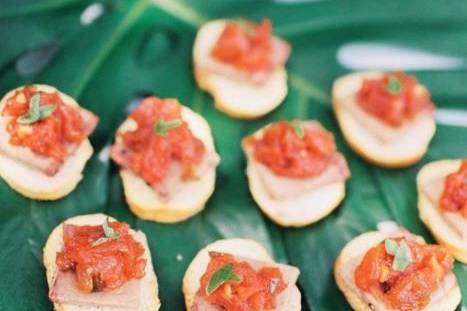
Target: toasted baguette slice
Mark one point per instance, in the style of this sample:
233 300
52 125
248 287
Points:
149 300
235 97
351 255
297 211
430 214
238 247
145 203
410 141
33 183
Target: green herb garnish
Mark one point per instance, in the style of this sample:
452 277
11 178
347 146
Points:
162 127
109 234
36 112
402 254
224 274
394 86
298 128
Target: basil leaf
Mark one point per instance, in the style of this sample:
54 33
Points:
298 127
162 127
46 111
224 274
110 232
403 257
391 246
33 113
394 86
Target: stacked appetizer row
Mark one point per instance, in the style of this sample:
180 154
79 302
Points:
94 262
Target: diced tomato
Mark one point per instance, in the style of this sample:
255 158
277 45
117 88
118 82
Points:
393 108
246 45
150 155
52 136
257 290
104 266
288 154
454 196
410 289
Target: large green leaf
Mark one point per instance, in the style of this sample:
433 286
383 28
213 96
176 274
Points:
145 46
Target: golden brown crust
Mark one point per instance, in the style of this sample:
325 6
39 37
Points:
354 248
430 214
36 185
361 145
144 201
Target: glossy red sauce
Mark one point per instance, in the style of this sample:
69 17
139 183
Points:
150 155
287 154
393 109
104 266
454 196
246 45
51 136
410 289
255 292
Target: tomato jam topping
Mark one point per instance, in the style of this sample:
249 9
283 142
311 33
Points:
393 98
294 149
238 287
50 136
161 138
454 196
246 45
101 260
411 287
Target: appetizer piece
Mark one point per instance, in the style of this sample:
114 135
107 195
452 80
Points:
442 203
239 274
295 173
44 142
396 271
167 159
94 262
387 118
241 64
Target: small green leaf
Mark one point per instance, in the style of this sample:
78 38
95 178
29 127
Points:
46 111
394 86
162 127
36 112
33 113
299 128
391 246
403 257
109 234
224 274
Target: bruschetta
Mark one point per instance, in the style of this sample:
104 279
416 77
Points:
387 118
231 273
295 174
396 271
44 142
167 160
241 64
94 262
442 203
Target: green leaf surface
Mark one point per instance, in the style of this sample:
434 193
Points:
144 46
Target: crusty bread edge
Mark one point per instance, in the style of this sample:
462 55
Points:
51 268
361 243
258 194
238 246
429 214
204 81
360 149
166 213
84 153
